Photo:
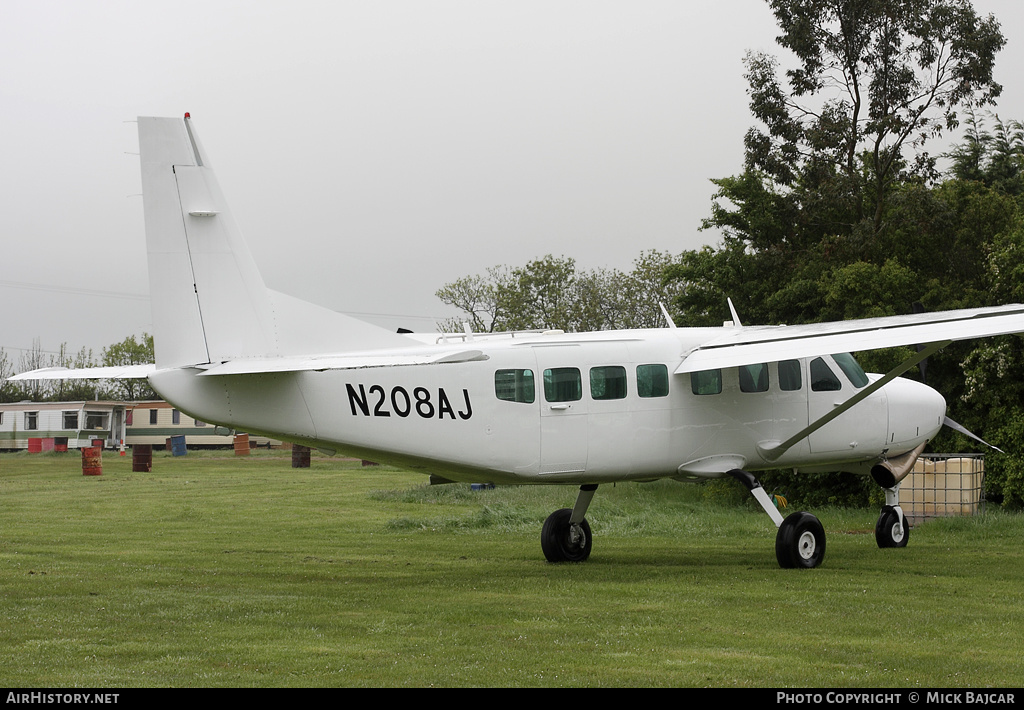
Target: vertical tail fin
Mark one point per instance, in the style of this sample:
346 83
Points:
209 301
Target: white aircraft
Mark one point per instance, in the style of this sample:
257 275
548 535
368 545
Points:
578 409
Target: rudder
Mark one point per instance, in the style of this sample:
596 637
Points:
209 301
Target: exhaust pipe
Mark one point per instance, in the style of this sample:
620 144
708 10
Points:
891 471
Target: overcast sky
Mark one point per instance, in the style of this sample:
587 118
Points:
371 151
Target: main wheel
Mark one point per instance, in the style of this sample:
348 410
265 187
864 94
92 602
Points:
563 541
800 542
888 531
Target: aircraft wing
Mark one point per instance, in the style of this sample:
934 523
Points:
748 345
114 372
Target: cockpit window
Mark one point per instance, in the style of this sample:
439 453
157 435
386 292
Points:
822 377
852 369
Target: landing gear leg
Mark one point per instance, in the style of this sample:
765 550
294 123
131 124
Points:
892 528
800 541
566 535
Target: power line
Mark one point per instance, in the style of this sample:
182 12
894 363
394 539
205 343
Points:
74 290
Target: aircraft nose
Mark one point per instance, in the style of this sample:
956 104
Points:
916 412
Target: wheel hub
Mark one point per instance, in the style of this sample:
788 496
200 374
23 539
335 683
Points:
577 538
806 544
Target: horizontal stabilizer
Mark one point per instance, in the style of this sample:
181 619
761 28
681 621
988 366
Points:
340 362
114 372
745 346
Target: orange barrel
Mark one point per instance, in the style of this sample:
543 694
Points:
241 444
92 461
35 445
142 458
300 456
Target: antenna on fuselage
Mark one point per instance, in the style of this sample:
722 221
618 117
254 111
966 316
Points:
735 316
668 318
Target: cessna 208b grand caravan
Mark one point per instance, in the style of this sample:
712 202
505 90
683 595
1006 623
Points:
579 409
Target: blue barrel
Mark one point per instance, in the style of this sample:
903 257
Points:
178 445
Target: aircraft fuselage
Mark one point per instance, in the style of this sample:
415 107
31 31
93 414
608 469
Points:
571 408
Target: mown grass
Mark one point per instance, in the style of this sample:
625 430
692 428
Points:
220 571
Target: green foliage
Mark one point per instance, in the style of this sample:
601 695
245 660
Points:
839 212
552 294
873 77
47 390
130 351
994 158
809 491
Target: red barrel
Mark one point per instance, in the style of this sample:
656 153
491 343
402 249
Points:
142 458
241 444
92 460
300 456
35 445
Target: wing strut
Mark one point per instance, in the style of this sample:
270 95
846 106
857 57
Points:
773 450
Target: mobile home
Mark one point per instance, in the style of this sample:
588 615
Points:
155 421
60 424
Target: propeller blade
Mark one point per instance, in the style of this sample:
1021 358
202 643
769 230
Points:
956 427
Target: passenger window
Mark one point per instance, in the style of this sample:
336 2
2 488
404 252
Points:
652 380
754 378
852 369
608 382
514 386
790 378
563 384
822 377
706 382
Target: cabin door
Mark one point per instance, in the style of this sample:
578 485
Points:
563 410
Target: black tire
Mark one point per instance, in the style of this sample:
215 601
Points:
563 542
800 542
887 530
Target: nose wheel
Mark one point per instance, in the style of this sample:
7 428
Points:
892 528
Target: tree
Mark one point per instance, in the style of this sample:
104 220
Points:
873 78
840 211
129 352
995 159
72 390
8 391
552 294
477 298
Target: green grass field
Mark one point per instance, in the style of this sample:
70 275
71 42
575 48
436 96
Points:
220 571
